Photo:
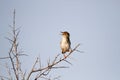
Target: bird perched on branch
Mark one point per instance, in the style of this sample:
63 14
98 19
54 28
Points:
65 43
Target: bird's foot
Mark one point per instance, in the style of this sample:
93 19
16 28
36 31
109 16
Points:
65 56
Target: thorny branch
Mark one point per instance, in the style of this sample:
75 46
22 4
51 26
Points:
45 70
13 53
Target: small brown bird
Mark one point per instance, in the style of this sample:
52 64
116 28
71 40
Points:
65 43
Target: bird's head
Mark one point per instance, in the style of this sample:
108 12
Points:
65 33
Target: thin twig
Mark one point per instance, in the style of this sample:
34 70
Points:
50 66
12 62
4 57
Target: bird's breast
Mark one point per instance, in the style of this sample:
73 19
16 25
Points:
64 43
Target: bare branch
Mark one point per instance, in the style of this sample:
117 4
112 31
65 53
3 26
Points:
4 57
79 51
13 52
32 69
12 62
68 62
51 65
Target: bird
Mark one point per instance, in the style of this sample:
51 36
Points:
65 43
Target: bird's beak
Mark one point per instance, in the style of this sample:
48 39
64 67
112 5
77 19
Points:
61 33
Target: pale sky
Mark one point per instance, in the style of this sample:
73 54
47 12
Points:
93 23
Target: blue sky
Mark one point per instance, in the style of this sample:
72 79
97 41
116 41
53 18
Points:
93 23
